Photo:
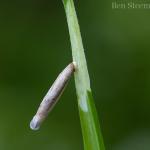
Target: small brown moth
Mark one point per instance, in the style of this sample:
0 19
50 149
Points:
52 96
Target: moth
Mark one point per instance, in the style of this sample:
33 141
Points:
52 96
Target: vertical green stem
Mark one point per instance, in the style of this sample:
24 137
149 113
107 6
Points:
89 121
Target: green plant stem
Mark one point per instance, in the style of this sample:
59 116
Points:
92 136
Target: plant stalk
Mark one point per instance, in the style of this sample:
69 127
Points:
91 132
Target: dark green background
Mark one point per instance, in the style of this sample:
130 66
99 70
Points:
35 47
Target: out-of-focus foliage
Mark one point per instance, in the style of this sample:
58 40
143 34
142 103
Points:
35 47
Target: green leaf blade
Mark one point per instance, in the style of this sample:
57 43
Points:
89 121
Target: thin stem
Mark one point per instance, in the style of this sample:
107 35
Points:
89 121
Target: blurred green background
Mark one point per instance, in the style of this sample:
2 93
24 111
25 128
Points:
35 47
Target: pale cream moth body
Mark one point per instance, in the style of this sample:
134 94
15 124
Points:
52 96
